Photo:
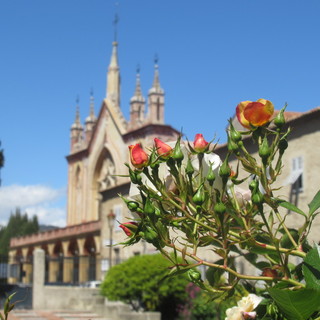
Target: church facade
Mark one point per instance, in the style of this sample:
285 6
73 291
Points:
84 250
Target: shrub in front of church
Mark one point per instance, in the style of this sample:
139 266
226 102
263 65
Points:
141 282
192 203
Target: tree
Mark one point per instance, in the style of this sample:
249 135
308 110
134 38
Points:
140 281
18 225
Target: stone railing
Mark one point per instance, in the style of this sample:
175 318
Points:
60 233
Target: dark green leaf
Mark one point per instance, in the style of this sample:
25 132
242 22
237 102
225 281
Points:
311 268
296 305
289 206
314 204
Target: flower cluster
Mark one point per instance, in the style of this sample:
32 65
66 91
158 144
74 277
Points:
187 200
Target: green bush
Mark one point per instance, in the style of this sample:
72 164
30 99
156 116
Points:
140 281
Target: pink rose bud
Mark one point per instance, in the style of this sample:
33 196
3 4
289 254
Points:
138 157
199 143
163 149
128 227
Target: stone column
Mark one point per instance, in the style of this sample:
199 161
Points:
26 266
97 240
13 265
53 264
38 279
83 262
67 263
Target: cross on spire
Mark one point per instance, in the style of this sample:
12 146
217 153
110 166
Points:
115 24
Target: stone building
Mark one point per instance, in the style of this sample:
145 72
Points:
81 251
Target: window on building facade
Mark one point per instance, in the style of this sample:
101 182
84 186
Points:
297 174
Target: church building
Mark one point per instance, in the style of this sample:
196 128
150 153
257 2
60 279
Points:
83 250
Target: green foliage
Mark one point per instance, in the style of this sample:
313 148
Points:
140 281
8 306
296 305
311 268
303 303
18 225
314 204
201 306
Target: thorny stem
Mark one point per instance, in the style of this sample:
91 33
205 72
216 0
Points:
235 273
235 234
286 229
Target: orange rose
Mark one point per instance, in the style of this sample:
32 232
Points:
163 149
138 157
199 143
254 113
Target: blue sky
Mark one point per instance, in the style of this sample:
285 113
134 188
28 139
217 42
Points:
212 55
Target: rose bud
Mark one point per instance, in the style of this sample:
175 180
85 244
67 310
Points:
279 120
225 171
177 154
268 272
163 150
138 157
254 113
128 227
194 275
199 197
199 143
264 150
189 169
283 145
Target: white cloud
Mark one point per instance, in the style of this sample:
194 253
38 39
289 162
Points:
45 202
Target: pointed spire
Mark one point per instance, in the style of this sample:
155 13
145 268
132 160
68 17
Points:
113 77
156 82
114 57
137 104
91 104
138 92
77 123
156 98
92 116
91 119
76 130
137 97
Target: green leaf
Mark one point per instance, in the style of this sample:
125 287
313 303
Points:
289 206
314 204
296 305
311 268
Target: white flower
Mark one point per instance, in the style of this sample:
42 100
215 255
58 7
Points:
245 308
